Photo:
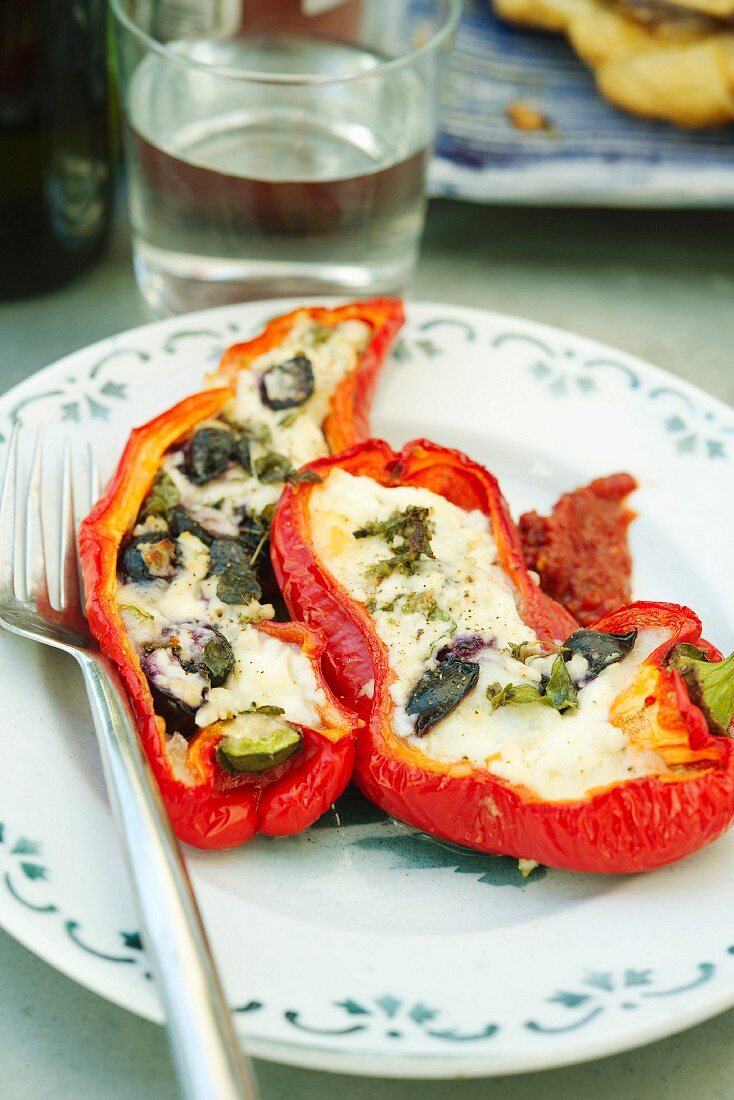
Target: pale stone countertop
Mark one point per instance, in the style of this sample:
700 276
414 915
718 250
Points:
659 285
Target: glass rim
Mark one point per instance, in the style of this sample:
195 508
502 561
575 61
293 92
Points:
255 76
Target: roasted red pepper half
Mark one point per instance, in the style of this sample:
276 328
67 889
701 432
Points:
636 824
210 807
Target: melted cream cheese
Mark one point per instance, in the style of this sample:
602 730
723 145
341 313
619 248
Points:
268 671
333 354
295 433
465 591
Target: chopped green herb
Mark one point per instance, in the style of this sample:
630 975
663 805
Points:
558 693
138 612
408 534
242 451
236 587
218 660
182 520
426 604
303 477
317 335
229 561
272 468
521 651
224 552
515 695
162 498
559 689
253 430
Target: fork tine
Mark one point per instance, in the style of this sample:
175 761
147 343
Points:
7 516
36 586
93 481
76 502
67 555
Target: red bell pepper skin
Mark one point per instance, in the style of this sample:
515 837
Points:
214 810
347 422
632 826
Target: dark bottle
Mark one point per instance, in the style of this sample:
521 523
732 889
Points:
55 173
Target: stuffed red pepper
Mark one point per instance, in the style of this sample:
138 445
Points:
491 719
241 729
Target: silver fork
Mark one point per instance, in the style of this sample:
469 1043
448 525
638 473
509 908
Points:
207 1058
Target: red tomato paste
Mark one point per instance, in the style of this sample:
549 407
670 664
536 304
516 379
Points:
580 550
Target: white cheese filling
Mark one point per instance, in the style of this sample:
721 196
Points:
267 671
296 433
465 594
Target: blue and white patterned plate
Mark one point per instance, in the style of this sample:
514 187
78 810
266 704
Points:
363 946
594 153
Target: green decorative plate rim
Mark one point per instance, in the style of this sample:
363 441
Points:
388 1028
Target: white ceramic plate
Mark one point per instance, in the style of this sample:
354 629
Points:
361 946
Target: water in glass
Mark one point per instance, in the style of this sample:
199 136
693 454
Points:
242 189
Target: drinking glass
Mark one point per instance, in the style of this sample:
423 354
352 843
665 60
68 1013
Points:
277 147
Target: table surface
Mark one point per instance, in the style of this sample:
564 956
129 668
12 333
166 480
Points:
659 285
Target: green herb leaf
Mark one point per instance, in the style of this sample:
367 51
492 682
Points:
303 477
253 430
162 498
242 452
218 660
317 335
237 587
521 651
560 690
272 468
710 685
137 612
515 695
181 521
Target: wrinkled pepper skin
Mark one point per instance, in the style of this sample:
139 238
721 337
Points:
633 826
214 810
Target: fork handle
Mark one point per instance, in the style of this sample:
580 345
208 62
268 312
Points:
206 1054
